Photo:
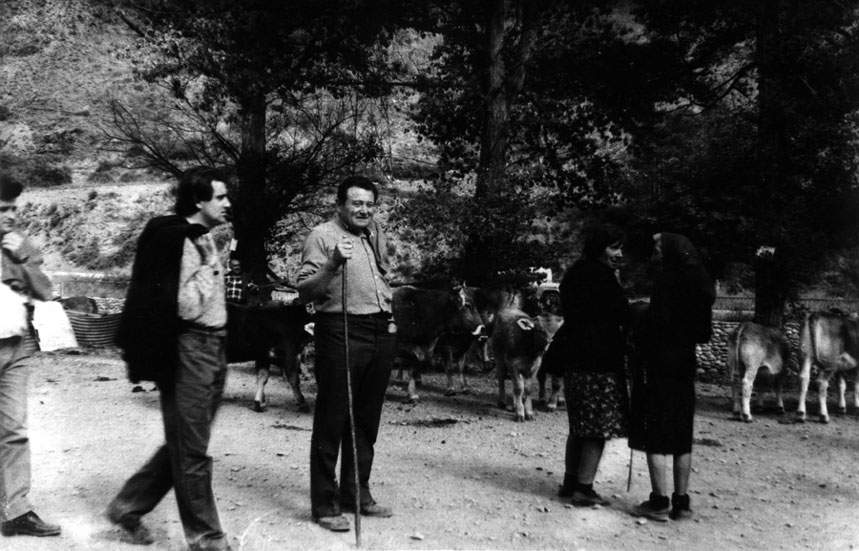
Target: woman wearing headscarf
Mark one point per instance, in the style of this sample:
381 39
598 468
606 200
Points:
589 350
663 402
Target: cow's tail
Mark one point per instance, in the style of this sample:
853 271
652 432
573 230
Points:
812 321
734 341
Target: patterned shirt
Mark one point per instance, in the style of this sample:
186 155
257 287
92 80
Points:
201 289
235 289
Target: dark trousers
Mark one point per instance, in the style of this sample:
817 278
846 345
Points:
188 407
371 355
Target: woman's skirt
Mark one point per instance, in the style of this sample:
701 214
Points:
597 404
663 415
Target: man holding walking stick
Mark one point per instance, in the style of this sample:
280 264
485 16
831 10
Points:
363 312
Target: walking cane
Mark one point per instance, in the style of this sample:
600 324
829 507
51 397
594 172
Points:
629 479
351 413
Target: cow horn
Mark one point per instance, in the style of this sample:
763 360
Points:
477 332
525 324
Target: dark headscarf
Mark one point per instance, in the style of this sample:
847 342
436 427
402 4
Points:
680 257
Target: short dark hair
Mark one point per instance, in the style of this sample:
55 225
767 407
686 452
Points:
600 236
195 185
356 181
10 187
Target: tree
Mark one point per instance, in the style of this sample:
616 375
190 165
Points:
512 122
273 91
785 73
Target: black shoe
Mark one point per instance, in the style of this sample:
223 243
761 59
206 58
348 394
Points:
587 498
565 491
337 523
29 524
656 508
134 533
370 510
680 509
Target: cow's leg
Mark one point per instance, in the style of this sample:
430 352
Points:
527 385
541 388
500 373
822 390
779 389
449 364
856 392
555 396
748 382
518 383
460 365
262 372
412 386
422 357
842 394
736 395
804 378
291 374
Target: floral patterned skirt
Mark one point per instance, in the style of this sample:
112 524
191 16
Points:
597 404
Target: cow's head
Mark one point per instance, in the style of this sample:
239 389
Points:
466 319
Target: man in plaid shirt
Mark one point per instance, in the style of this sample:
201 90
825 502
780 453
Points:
237 287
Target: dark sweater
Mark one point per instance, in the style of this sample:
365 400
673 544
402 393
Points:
149 328
596 313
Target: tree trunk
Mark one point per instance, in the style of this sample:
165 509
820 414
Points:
502 87
770 292
251 220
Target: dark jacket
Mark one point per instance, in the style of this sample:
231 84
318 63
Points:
149 327
596 313
680 312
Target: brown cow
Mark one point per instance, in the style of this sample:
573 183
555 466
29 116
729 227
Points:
429 320
254 331
829 340
751 347
518 342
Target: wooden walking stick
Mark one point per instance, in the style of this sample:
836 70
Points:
629 479
351 412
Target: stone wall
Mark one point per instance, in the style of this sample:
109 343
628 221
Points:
712 356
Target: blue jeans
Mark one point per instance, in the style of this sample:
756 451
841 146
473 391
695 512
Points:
14 443
371 357
188 407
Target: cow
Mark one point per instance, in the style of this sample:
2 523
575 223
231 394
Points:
553 323
518 342
430 320
254 331
751 347
830 341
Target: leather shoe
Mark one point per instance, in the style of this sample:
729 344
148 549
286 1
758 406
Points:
370 510
29 524
337 523
134 533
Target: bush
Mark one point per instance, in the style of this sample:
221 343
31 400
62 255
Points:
37 170
5 113
48 175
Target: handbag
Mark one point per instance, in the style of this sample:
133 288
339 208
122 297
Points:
53 328
13 310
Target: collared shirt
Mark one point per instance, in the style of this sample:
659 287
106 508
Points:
201 289
368 290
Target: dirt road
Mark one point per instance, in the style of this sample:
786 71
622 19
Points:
459 473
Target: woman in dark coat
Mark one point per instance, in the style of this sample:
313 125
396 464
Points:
663 401
589 349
